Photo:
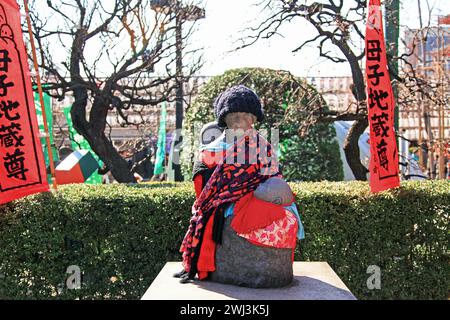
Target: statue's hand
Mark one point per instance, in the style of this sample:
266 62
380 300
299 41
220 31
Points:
274 190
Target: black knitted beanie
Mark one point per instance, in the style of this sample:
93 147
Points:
237 99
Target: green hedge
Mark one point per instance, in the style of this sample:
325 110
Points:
120 236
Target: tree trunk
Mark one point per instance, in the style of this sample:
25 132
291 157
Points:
351 144
93 132
351 149
118 166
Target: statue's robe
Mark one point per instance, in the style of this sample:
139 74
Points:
260 222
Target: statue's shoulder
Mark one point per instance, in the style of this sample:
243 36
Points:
218 144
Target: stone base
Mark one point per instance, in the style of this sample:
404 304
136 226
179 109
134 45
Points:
241 263
312 281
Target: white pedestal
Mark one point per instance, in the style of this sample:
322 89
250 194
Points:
312 281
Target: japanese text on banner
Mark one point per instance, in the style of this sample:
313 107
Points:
22 169
380 105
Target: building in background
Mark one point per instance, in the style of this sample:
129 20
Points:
336 91
426 122
431 60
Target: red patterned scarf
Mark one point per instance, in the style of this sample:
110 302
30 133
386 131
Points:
228 183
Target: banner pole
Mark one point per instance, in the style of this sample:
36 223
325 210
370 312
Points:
41 96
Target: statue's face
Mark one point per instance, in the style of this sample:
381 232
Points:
240 120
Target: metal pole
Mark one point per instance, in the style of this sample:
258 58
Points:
420 137
179 94
392 12
420 105
441 116
41 96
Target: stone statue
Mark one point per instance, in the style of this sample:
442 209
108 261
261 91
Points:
245 224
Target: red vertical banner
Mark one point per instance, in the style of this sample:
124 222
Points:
22 167
384 173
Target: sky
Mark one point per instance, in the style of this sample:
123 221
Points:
225 24
225 21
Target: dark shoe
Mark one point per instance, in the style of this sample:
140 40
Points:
185 278
179 274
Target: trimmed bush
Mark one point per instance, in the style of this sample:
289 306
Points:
289 103
121 236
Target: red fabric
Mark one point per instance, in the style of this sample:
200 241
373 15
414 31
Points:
206 260
22 165
380 106
251 213
198 182
281 233
228 183
207 252
211 158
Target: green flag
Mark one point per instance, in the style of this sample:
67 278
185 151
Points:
161 151
80 143
40 118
